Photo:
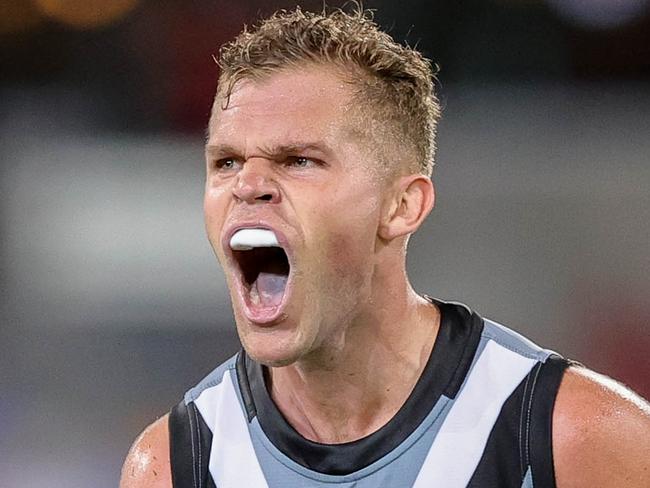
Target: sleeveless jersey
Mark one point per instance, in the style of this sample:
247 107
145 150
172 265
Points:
479 416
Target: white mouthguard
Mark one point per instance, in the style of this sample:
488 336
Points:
247 239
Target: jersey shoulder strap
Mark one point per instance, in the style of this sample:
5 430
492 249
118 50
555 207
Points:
190 441
210 441
190 436
537 422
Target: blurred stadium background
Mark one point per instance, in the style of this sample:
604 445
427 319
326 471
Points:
112 304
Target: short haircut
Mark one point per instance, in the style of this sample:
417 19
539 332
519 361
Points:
395 83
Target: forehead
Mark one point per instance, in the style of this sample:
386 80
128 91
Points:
309 103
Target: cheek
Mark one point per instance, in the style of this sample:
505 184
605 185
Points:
349 249
344 259
348 234
215 202
354 213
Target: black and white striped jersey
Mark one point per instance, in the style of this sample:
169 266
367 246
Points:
479 416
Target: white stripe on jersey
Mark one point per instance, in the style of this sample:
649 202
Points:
235 465
459 445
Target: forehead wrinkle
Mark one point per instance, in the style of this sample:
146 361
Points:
270 150
304 131
236 132
354 126
323 125
297 147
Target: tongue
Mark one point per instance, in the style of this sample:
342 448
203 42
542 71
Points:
268 289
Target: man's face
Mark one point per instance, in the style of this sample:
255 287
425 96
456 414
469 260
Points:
283 157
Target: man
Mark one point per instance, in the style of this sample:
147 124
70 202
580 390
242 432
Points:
319 154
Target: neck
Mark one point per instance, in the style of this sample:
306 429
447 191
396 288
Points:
351 389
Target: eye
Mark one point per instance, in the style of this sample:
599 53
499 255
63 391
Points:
227 164
301 162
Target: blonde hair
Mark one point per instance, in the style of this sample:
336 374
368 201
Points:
394 81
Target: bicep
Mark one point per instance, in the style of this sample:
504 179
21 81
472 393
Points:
601 433
147 464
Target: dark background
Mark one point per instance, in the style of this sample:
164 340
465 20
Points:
111 302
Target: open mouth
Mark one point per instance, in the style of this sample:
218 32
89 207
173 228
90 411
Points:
265 272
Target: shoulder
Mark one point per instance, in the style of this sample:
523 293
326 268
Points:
601 433
147 463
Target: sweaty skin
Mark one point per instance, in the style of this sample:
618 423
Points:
283 155
147 463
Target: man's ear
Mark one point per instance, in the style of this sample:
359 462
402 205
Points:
411 201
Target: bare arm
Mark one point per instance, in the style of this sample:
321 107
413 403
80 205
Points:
147 463
601 433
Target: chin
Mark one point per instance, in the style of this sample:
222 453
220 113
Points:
277 346
270 352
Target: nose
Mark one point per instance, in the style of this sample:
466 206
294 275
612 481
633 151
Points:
255 183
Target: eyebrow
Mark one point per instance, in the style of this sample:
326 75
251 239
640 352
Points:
272 151
220 150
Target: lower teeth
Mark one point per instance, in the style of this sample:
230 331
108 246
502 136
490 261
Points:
255 296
